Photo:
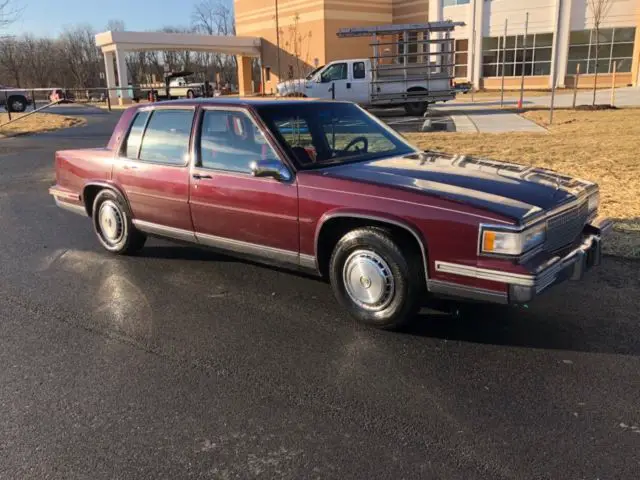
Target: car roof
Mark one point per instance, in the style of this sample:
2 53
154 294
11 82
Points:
239 101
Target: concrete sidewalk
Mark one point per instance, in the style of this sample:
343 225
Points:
479 120
483 116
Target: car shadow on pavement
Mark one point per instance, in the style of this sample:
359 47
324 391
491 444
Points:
529 328
198 254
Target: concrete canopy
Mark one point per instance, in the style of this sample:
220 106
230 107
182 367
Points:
149 41
119 43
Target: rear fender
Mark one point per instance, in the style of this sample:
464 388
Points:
88 194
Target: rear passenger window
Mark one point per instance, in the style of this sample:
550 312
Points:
231 141
166 139
132 143
358 70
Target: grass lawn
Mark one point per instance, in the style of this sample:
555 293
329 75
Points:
603 146
38 122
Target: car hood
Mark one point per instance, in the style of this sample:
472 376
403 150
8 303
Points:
292 84
512 190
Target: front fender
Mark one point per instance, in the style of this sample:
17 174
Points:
376 217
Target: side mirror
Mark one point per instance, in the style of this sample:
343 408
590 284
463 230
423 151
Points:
270 168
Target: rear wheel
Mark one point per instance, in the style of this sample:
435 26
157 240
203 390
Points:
374 280
112 224
416 109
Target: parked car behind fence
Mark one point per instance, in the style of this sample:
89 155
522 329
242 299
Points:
13 99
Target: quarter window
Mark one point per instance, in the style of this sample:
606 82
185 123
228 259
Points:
358 70
132 144
166 139
230 140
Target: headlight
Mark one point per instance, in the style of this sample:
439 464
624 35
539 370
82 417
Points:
594 202
501 242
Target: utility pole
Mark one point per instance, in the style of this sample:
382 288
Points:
278 42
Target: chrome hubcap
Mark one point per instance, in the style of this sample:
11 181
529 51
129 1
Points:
110 221
368 280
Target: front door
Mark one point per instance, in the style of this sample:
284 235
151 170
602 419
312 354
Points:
335 76
153 167
231 209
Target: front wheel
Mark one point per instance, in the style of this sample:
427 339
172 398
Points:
112 224
374 280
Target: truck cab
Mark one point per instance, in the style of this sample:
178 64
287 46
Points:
350 78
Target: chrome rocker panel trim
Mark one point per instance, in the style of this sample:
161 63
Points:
71 207
269 254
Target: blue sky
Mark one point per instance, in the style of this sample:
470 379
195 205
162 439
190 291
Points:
49 17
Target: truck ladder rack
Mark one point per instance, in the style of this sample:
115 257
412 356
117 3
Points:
436 27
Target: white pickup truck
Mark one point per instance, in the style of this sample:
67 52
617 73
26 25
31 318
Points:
179 87
390 85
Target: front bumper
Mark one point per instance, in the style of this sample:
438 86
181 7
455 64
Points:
523 288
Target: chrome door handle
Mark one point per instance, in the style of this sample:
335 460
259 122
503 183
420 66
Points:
130 167
199 176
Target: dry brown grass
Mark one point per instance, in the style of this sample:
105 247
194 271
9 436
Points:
36 123
603 146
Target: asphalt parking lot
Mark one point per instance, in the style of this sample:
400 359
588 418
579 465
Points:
180 363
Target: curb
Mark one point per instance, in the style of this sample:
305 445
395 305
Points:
464 124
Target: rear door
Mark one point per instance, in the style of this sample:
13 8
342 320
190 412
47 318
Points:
153 166
359 84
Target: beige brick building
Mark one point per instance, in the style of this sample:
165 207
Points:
560 37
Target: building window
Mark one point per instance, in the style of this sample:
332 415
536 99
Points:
534 55
449 3
461 58
413 46
615 45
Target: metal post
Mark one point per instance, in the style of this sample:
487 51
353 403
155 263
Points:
6 104
473 53
613 84
108 99
524 56
553 94
575 85
33 97
504 62
473 59
278 42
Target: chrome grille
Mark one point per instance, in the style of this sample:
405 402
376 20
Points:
566 227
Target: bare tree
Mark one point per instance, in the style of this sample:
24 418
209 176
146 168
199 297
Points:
115 25
81 55
214 17
11 59
599 10
8 14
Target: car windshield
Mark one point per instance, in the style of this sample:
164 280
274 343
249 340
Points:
318 134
